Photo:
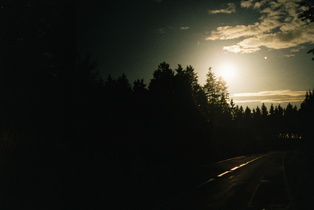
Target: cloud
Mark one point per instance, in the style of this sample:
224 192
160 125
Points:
247 4
297 49
184 28
231 8
276 96
277 28
253 3
239 49
233 32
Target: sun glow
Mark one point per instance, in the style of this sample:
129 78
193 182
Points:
227 72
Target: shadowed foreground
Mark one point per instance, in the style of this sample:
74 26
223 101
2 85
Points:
253 182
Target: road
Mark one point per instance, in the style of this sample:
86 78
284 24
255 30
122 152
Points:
245 182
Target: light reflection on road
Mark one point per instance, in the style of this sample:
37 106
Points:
231 170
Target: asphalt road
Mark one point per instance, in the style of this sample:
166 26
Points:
245 182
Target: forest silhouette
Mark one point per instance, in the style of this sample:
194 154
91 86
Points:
72 139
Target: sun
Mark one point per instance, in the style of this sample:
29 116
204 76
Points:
227 72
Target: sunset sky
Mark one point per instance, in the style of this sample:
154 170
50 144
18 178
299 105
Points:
259 47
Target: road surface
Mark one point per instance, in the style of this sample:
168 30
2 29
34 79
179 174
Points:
245 182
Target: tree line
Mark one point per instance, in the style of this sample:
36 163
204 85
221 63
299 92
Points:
174 109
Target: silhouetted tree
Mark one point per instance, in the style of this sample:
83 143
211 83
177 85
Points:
247 114
123 86
217 94
139 87
239 112
211 88
186 84
264 111
307 116
232 109
258 113
163 80
201 100
271 110
279 112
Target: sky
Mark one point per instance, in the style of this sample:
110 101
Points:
258 46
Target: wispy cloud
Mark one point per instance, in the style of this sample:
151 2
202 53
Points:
294 50
276 96
289 55
184 28
278 27
246 4
231 8
297 49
